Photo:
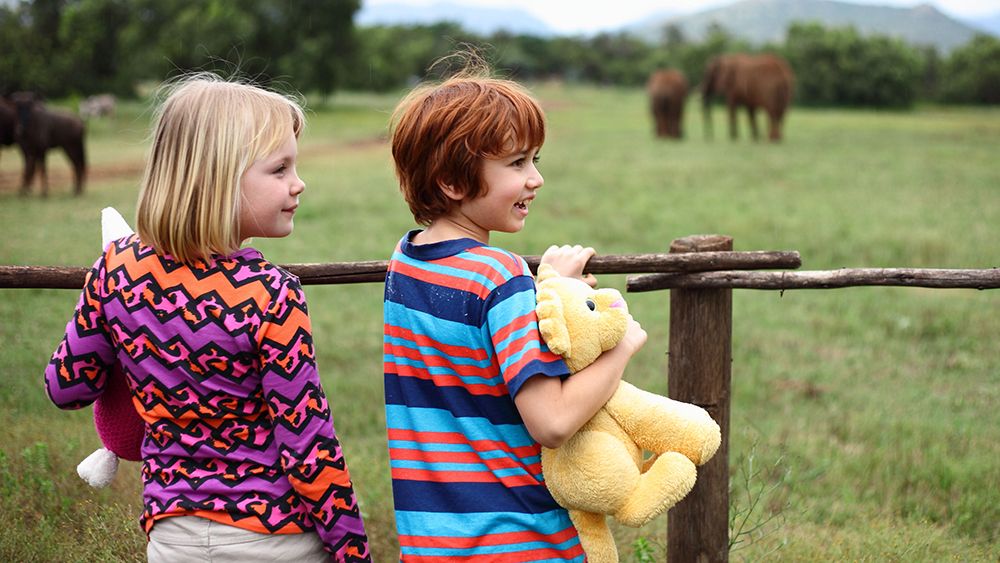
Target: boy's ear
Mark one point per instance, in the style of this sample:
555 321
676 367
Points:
450 191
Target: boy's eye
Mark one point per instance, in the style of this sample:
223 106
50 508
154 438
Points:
536 158
280 169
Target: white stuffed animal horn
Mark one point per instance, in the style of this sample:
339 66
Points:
118 424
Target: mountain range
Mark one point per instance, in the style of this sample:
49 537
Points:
757 21
766 21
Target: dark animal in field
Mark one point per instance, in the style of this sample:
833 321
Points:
6 123
667 91
750 81
38 129
98 106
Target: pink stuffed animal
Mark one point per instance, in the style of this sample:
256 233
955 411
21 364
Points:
119 426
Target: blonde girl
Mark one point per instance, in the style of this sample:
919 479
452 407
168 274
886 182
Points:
240 459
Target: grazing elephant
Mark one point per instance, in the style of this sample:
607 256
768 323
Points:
667 91
750 81
38 129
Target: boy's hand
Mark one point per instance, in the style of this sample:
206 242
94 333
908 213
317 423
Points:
569 261
634 339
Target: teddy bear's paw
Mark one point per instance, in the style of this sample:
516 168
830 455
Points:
667 481
710 445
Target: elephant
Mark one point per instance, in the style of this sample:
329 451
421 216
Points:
667 91
38 129
752 81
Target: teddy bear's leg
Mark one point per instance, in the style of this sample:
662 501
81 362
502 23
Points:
595 536
667 481
592 471
659 424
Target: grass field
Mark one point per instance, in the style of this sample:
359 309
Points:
865 424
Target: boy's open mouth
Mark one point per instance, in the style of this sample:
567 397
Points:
523 204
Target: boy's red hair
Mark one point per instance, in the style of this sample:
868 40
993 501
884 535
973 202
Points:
442 132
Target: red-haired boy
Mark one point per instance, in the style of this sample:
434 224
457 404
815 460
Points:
471 390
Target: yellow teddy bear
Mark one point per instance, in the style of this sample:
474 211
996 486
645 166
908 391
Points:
600 470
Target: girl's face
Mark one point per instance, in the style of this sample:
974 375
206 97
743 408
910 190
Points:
269 192
511 184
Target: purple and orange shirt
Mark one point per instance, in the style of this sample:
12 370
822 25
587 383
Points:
219 359
461 337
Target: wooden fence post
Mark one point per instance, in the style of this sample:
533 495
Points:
701 323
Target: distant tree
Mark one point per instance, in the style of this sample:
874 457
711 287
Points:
32 47
972 73
168 37
672 36
694 57
324 45
11 38
611 57
89 31
840 67
930 86
392 56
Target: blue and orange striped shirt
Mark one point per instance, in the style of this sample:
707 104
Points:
461 337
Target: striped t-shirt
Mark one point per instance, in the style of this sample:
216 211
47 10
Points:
220 363
461 337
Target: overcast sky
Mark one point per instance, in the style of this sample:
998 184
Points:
573 16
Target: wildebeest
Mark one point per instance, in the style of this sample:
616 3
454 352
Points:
38 129
99 105
6 123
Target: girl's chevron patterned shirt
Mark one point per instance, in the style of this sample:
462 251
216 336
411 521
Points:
219 359
461 337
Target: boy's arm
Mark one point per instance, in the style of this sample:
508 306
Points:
553 408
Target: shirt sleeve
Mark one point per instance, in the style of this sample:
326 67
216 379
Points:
77 373
310 454
513 329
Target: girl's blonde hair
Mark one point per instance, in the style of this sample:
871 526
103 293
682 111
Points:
208 132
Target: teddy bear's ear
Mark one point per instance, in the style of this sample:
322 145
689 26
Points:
545 272
552 322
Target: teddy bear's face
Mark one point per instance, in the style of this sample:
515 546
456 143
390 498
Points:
579 322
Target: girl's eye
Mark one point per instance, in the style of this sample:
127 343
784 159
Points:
519 162
280 169
536 159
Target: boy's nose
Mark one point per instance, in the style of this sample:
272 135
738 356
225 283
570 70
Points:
536 180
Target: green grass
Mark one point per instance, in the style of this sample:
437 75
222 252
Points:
864 420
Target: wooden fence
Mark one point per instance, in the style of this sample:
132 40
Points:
700 272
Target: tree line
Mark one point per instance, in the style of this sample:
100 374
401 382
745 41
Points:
81 47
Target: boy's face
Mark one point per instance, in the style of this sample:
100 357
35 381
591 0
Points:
511 183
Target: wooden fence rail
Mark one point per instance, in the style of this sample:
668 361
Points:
701 272
56 277
821 279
